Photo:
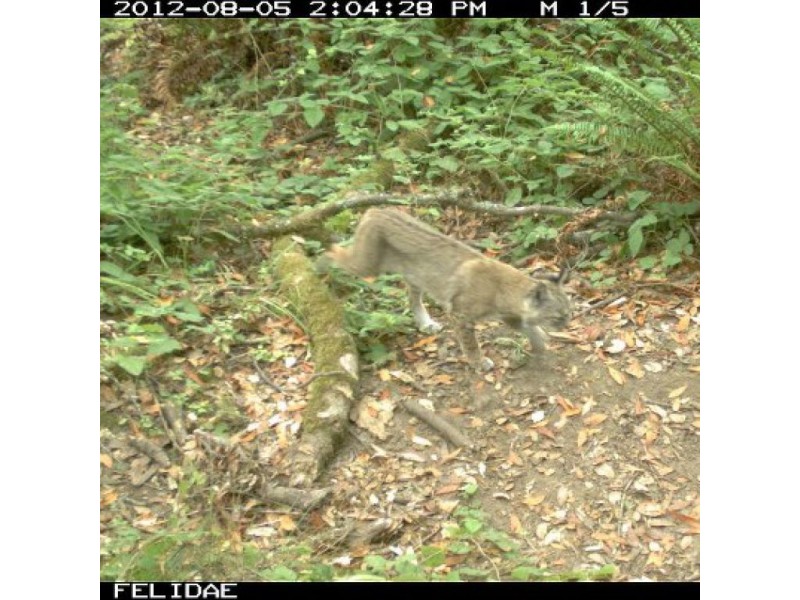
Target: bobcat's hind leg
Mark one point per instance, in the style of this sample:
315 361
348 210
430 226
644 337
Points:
422 319
365 257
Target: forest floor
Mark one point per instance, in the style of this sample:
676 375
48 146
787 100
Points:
586 456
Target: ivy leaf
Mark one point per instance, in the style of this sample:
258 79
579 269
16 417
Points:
513 196
635 199
472 525
448 163
635 235
313 115
635 240
163 346
564 171
132 364
648 262
276 108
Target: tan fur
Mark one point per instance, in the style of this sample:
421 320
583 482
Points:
461 280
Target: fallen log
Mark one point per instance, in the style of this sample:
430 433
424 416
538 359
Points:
330 394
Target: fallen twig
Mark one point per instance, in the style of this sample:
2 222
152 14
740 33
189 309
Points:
602 304
450 432
303 499
150 450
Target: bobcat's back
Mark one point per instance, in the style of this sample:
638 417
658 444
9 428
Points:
389 241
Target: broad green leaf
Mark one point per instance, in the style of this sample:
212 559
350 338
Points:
513 196
635 240
132 364
527 573
448 163
635 199
163 346
648 262
472 525
313 115
280 573
470 489
459 547
564 171
276 108
110 268
376 564
431 556
635 235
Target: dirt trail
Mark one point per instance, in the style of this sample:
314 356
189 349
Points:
589 457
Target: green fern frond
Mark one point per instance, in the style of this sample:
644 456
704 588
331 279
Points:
679 165
688 33
624 139
676 127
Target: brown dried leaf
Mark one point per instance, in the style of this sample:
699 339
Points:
630 339
286 523
424 342
108 497
594 419
106 460
514 459
515 525
583 435
373 415
569 408
616 375
447 489
677 392
634 368
592 332
650 509
532 501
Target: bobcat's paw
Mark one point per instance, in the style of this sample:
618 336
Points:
429 326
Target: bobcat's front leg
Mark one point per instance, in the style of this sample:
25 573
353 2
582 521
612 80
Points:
465 331
422 319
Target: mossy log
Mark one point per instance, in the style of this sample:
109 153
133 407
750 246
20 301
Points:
332 390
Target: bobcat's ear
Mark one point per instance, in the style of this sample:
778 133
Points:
561 278
539 293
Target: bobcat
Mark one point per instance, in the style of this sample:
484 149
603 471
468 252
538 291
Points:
461 280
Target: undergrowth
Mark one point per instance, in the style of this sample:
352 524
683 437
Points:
210 125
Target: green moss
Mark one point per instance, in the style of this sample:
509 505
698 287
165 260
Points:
323 319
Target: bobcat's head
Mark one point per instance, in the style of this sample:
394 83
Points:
546 307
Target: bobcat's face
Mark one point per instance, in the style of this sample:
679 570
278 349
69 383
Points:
546 307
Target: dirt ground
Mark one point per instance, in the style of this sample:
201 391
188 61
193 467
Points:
588 455
590 459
